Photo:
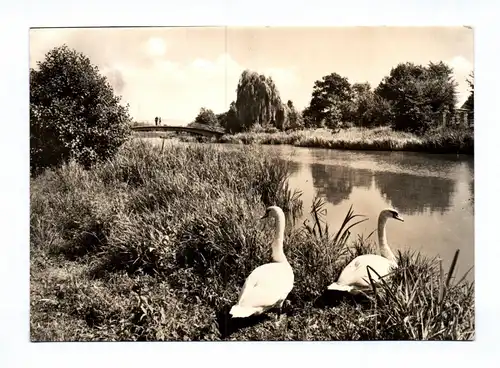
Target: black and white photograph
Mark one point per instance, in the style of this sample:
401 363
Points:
251 183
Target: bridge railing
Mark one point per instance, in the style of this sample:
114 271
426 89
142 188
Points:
205 127
165 128
139 124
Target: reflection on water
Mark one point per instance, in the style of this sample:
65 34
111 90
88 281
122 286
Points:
342 178
434 194
414 194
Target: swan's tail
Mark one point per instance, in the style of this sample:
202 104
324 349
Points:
339 287
242 312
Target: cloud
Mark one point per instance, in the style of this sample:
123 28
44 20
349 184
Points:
202 65
462 67
224 67
156 46
115 78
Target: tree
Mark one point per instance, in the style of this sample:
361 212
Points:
418 95
229 120
207 117
73 112
282 117
442 89
221 119
469 103
380 113
294 117
366 108
257 100
329 102
357 110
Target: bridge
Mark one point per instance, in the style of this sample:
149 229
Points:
193 129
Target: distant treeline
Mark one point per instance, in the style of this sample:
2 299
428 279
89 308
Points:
412 98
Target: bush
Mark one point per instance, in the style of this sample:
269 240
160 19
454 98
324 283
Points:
73 112
206 117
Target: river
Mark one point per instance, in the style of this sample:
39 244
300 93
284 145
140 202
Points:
433 193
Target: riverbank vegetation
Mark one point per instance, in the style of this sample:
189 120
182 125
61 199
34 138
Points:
379 139
154 244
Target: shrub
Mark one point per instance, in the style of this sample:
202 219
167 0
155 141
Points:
73 112
206 117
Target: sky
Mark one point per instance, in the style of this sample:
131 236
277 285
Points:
173 72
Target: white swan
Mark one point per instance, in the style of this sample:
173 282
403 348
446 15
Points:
354 278
268 285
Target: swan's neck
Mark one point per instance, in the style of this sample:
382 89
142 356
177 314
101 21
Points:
279 234
385 250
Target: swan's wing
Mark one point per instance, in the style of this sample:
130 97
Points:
266 285
355 273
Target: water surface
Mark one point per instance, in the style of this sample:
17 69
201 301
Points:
433 193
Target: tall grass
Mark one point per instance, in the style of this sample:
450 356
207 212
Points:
420 305
381 139
156 243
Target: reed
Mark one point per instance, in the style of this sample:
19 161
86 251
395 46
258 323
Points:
443 140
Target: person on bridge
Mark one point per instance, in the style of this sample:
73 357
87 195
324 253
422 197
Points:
156 120
159 120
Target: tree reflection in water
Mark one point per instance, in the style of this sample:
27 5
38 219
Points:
411 194
415 194
335 182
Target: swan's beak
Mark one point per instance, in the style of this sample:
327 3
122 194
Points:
263 217
399 218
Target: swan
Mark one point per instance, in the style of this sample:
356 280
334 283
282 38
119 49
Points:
268 285
354 278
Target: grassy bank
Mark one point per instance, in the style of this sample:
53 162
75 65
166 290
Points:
183 137
379 139
156 243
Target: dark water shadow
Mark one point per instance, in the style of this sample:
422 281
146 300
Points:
333 298
228 325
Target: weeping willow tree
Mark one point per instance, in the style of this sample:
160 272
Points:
282 117
258 101
229 120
